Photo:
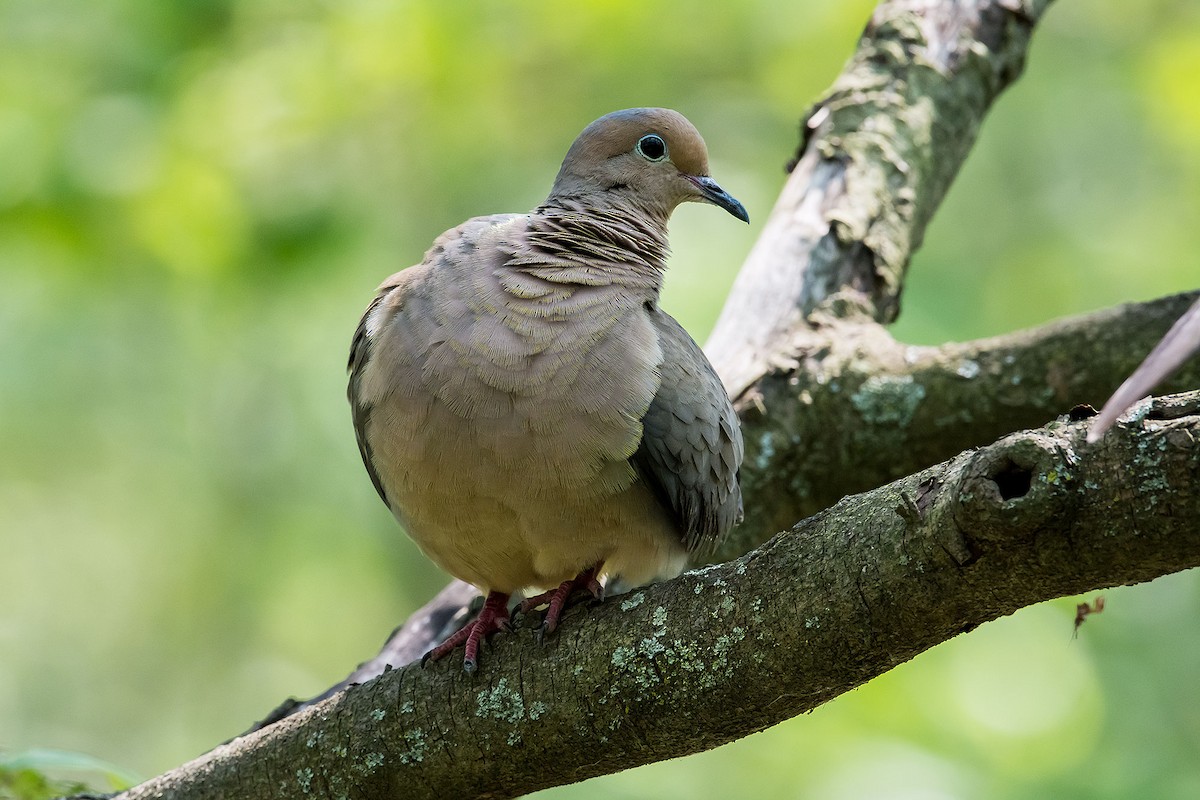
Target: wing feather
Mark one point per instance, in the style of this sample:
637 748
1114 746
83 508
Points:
388 300
691 449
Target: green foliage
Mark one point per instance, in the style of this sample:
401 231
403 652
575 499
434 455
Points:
197 198
27 775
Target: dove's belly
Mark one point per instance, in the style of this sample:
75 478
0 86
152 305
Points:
507 515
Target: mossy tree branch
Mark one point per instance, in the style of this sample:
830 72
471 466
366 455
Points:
858 408
878 154
728 650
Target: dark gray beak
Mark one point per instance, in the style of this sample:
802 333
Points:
714 194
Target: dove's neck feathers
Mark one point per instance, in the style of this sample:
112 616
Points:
583 240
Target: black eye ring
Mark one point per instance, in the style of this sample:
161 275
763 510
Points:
652 147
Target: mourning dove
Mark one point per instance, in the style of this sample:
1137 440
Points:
529 414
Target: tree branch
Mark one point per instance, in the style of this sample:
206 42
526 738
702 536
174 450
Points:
879 152
728 650
858 408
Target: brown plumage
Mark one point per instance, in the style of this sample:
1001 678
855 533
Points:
525 409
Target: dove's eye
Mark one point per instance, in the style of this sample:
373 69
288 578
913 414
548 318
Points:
652 148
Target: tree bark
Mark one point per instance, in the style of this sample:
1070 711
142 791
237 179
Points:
878 153
728 650
830 404
859 408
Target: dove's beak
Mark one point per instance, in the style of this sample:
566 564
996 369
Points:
712 192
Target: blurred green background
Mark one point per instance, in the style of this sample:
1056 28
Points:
197 199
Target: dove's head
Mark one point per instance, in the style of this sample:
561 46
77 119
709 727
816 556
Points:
653 157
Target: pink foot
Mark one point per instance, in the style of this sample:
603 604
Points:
493 617
556 599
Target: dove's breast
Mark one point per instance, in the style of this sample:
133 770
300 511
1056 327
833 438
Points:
503 423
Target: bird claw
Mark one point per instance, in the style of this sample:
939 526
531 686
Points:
558 598
492 618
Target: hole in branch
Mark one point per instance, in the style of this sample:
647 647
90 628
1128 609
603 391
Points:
1012 480
1081 412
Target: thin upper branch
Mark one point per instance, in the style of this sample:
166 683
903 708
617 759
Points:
880 151
722 652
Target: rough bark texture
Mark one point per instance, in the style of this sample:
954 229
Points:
830 404
879 152
860 408
728 650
